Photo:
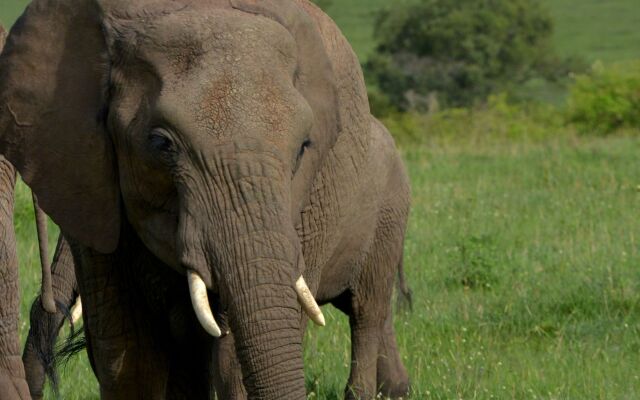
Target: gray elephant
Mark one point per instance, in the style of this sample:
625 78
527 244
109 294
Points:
217 172
12 371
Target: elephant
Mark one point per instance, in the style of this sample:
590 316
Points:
12 372
218 175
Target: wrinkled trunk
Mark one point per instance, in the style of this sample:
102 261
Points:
251 258
265 320
12 378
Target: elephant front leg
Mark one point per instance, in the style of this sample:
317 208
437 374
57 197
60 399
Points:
376 364
119 337
13 385
364 357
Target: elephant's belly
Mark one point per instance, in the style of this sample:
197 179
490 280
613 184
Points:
355 242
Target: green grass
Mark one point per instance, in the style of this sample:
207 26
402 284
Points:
597 30
524 261
10 10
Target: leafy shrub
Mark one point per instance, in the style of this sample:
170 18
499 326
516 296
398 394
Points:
460 51
607 99
497 120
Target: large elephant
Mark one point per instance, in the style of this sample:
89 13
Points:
12 372
12 377
216 156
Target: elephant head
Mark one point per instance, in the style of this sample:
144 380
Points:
201 124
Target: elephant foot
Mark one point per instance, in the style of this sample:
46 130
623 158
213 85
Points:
392 378
395 389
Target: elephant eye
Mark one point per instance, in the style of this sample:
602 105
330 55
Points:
159 141
305 145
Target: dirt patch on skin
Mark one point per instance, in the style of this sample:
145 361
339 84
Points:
216 106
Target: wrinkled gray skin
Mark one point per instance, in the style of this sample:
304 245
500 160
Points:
230 138
12 377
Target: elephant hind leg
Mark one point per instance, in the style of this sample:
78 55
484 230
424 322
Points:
376 366
392 378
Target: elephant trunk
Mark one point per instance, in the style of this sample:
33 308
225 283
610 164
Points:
243 245
259 294
265 321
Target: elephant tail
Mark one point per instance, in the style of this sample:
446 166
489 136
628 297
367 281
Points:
46 297
404 300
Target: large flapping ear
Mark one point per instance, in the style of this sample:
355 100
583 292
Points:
53 75
315 76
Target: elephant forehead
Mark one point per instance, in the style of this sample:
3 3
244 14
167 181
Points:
224 70
227 100
179 41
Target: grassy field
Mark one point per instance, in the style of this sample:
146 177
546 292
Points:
524 264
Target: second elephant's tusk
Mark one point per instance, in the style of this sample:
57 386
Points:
200 302
308 302
76 311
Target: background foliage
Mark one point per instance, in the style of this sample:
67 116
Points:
606 99
457 52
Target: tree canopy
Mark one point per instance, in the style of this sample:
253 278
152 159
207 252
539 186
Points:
459 51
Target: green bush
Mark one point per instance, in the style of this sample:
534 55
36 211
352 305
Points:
607 99
497 120
460 51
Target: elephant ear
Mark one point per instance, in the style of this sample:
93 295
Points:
315 76
53 75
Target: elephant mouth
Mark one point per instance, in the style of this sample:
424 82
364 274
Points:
200 303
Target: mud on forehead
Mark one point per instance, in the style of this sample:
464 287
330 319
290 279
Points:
187 36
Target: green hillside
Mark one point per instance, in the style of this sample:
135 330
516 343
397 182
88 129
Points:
10 10
596 30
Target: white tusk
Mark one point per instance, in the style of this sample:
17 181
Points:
308 303
200 302
76 311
